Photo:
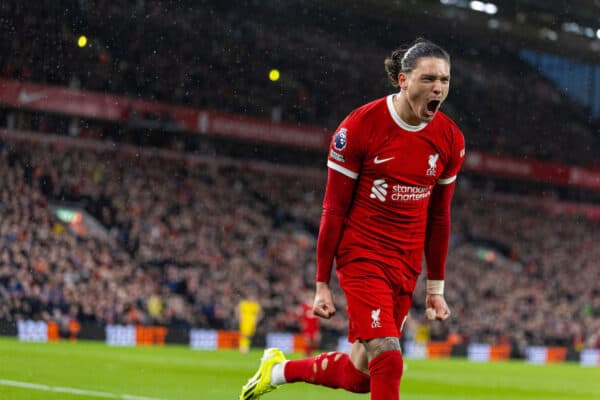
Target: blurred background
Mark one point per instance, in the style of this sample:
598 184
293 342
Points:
163 160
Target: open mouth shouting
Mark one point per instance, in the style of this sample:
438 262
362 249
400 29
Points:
432 106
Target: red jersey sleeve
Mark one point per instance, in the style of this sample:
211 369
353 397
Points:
438 231
344 162
438 218
338 197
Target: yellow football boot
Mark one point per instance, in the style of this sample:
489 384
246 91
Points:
260 383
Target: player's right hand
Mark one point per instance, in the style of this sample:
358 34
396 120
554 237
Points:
323 306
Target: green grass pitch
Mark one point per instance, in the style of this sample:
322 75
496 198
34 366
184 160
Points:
92 370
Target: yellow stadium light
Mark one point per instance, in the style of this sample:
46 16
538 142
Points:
274 75
82 41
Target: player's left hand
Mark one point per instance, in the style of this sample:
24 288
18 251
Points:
438 304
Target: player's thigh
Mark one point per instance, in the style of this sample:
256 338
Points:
370 302
358 357
377 346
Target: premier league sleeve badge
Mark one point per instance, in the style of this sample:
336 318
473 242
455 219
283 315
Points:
340 140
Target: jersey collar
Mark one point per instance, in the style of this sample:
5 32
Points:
399 121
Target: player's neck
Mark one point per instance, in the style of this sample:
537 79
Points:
404 111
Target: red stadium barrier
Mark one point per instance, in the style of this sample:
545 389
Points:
500 352
150 335
439 349
228 339
117 108
556 354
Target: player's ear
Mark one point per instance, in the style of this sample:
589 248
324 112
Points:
402 80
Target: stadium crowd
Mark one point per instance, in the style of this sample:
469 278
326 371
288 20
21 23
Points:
210 55
183 236
542 288
186 243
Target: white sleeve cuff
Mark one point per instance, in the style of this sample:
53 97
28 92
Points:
435 287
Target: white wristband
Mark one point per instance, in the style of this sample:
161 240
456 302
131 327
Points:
435 287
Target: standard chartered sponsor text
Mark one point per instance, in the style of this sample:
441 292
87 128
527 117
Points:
410 193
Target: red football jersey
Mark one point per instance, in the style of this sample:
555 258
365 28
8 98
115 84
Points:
396 166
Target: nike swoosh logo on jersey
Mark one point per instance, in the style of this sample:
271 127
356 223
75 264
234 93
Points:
381 161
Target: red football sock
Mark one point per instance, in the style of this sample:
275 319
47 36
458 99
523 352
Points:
386 371
334 370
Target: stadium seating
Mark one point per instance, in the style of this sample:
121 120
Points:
192 240
185 241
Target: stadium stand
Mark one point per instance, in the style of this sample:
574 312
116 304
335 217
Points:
186 246
184 239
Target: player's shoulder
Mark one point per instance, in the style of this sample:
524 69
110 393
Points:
372 109
448 123
451 133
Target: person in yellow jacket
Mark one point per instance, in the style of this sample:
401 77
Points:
249 313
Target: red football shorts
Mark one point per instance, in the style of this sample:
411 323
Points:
378 298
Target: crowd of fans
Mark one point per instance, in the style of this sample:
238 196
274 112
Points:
195 238
210 55
540 285
186 243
